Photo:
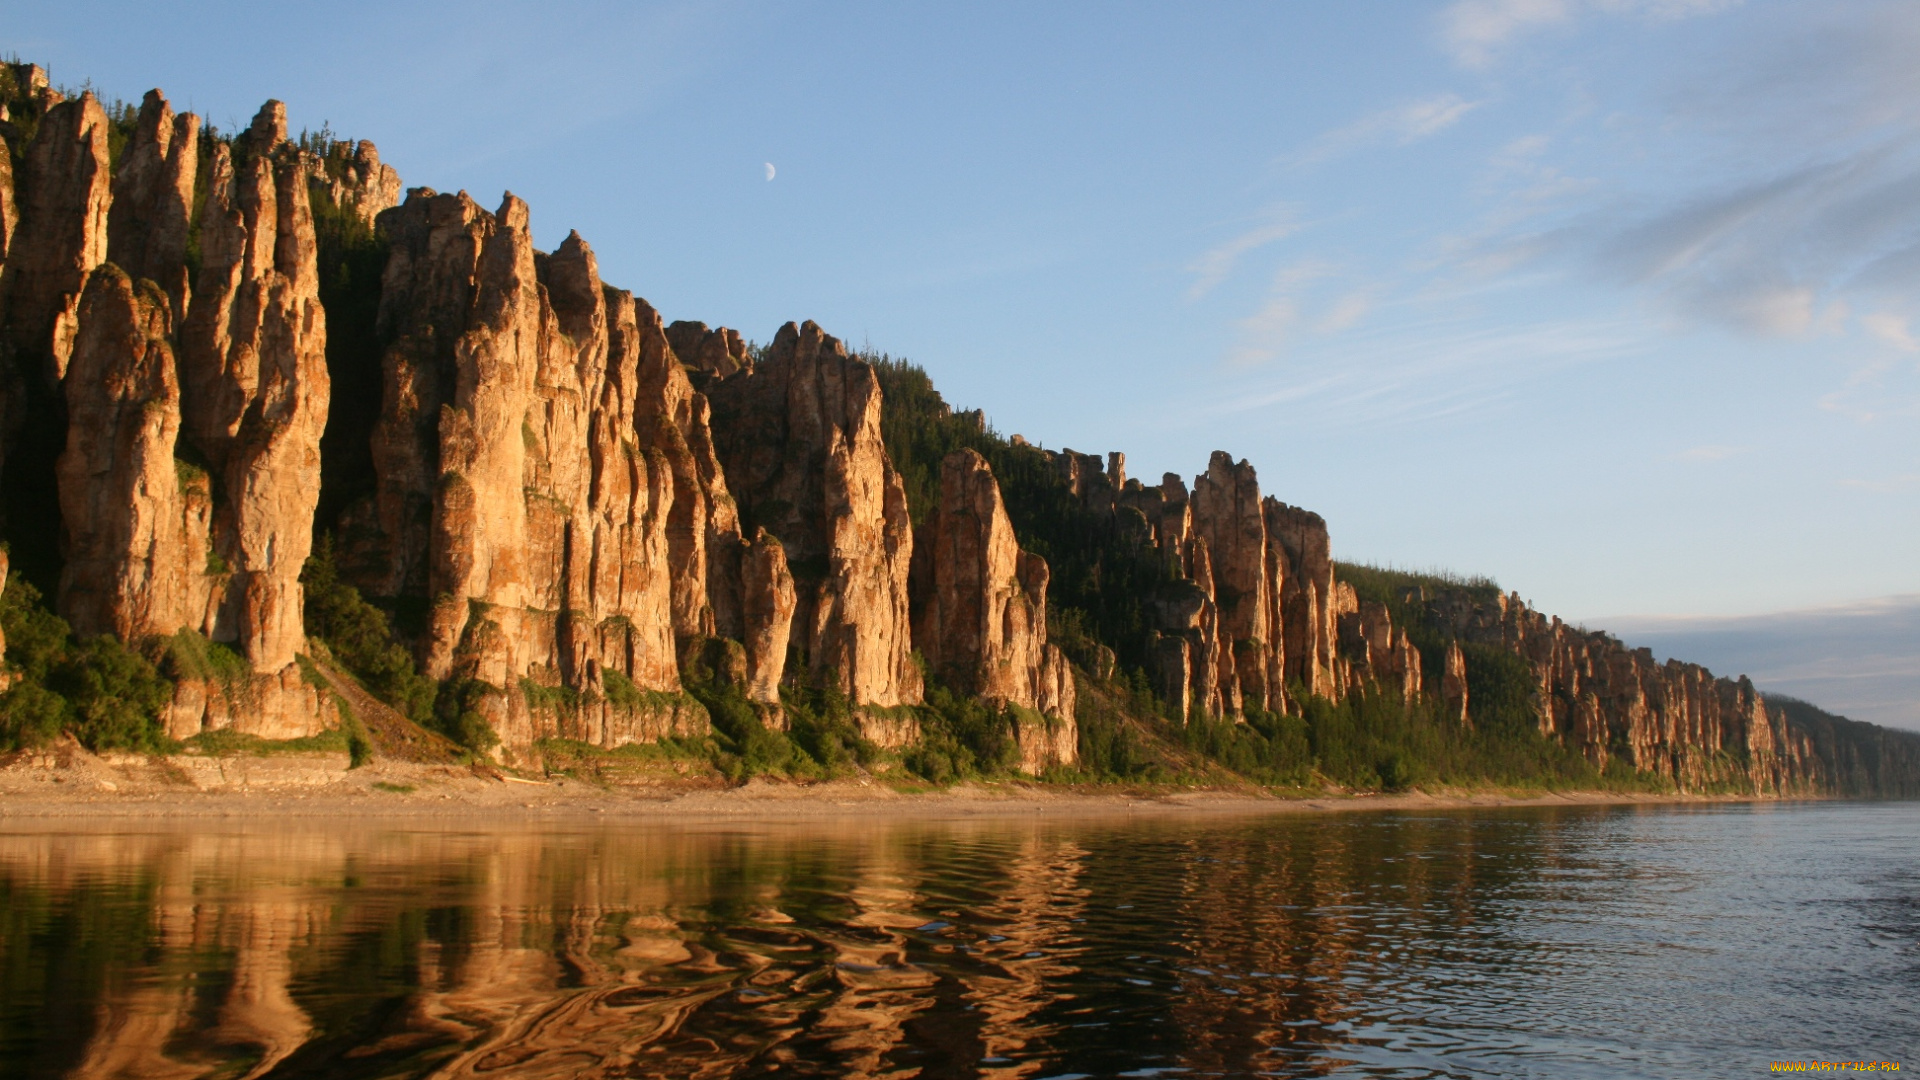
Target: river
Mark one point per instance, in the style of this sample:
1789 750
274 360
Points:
1645 941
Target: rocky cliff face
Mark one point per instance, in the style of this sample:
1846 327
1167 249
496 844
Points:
535 474
981 619
799 438
254 388
1611 702
1252 614
190 427
63 191
137 520
583 498
150 219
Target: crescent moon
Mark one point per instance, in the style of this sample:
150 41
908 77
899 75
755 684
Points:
769 170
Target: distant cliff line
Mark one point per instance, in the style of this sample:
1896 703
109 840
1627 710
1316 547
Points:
269 422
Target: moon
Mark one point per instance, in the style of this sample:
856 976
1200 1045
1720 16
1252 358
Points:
769 170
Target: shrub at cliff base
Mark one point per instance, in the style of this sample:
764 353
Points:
361 639
962 738
106 694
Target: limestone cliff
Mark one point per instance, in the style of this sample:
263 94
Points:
1610 702
149 222
526 458
254 387
981 611
189 469
799 438
63 192
719 352
564 500
137 520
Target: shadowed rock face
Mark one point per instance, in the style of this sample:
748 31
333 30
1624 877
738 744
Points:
1453 685
981 602
148 224
62 196
361 182
720 352
1254 613
799 437
703 531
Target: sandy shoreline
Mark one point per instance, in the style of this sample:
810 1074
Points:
69 784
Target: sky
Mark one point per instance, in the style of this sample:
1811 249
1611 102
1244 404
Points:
1612 300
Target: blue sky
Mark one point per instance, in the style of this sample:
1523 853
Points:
1613 300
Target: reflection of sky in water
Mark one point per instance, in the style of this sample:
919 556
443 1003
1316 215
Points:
1569 942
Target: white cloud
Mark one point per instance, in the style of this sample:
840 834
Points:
1893 329
1711 453
1346 312
1265 333
1474 31
1398 372
1401 124
1213 267
1883 484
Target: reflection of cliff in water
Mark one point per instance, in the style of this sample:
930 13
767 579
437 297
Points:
859 950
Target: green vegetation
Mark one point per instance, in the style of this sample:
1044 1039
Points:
963 738
233 743
361 639
106 694
743 745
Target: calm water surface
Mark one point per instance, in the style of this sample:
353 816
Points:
1577 942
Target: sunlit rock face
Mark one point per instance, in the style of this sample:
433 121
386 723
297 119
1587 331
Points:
799 439
137 525
254 386
574 497
187 467
541 473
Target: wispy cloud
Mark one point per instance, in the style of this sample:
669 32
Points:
1402 125
1412 370
1711 453
1895 330
1347 311
1884 484
1791 226
1214 266
1263 334
1474 31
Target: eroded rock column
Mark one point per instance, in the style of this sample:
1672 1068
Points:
799 436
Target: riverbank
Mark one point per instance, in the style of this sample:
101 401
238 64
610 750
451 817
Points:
67 782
